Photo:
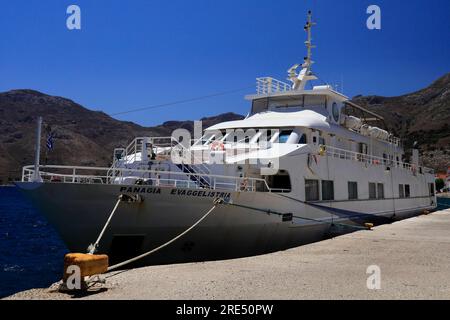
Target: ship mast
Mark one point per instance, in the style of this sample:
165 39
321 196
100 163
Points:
299 81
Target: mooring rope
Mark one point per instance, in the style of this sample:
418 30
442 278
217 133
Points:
216 203
121 264
93 247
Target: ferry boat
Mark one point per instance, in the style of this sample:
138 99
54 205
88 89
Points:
303 164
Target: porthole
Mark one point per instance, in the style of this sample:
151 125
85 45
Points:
335 111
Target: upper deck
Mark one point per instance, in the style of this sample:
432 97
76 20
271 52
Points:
282 105
276 105
271 87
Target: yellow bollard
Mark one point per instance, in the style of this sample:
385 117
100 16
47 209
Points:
368 225
89 264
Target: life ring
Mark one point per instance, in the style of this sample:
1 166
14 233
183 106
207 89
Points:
217 146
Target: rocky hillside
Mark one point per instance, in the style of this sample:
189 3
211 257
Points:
422 116
86 137
83 137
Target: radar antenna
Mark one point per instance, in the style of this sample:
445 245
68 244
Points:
299 81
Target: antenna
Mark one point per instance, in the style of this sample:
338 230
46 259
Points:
307 61
299 81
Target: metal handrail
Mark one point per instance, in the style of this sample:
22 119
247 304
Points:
135 146
374 160
267 85
197 162
75 177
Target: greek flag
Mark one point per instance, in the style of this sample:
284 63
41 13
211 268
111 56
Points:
50 141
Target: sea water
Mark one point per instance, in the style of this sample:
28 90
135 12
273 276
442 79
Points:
31 252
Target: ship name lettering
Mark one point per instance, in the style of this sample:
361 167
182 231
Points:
199 193
140 190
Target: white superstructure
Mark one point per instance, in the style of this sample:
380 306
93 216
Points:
302 163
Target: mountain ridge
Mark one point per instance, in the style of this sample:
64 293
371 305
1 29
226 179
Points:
87 137
422 116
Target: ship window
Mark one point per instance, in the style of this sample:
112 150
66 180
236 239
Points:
431 188
302 139
259 105
277 103
363 148
352 190
284 136
401 190
407 191
241 136
225 136
327 190
335 111
267 135
372 190
311 101
264 135
311 190
280 182
380 190
205 139
321 141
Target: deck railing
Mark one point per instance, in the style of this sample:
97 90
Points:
268 85
98 175
163 147
374 160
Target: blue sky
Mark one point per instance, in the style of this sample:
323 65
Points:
132 54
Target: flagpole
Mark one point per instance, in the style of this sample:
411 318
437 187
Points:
37 177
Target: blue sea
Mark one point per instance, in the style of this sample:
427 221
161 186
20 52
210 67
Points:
31 252
443 203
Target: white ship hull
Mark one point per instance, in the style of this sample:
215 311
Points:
79 211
